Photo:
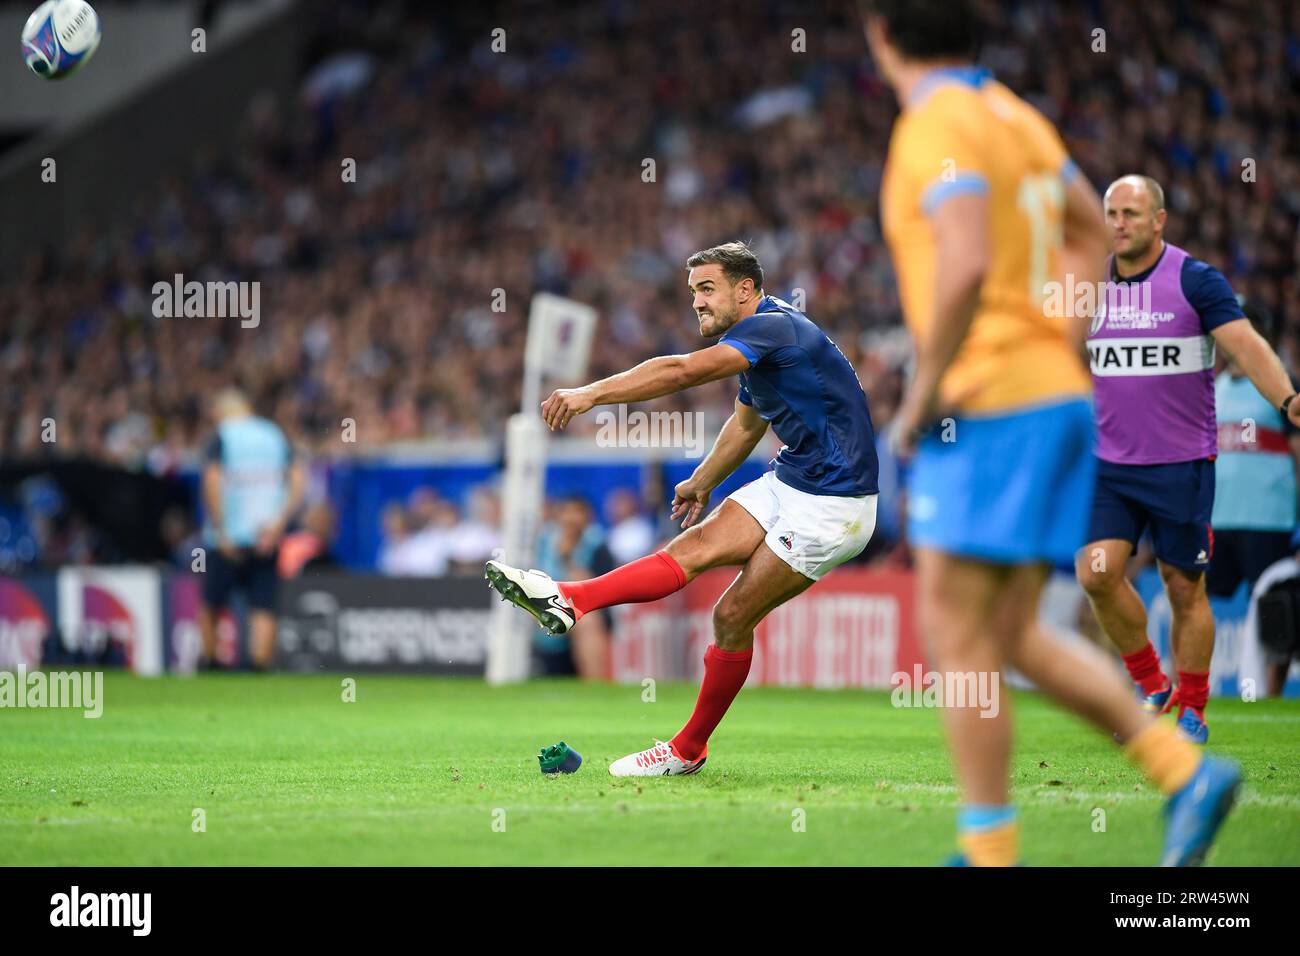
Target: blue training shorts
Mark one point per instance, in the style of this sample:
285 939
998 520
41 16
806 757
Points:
1013 488
1173 501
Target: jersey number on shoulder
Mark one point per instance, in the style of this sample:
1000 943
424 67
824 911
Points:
1042 200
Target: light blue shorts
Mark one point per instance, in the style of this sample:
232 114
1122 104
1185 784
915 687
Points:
1013 489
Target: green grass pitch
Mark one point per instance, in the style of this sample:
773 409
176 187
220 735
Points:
422 771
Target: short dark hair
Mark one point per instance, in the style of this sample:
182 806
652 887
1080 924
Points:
736 258
927 29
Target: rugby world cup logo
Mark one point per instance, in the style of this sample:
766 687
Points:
1098 319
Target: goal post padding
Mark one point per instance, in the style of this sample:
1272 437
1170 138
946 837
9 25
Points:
560 333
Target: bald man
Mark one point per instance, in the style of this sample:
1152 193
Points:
1152 346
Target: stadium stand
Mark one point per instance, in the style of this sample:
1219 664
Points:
477 171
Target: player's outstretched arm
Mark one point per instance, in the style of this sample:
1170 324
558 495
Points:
1252 353
651 379
742 431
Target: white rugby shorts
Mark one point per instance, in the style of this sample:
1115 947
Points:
811 533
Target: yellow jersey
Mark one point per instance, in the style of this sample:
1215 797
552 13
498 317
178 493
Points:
964 132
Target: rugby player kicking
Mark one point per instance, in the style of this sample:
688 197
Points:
815 510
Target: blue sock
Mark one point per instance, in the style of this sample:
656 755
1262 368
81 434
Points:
980 817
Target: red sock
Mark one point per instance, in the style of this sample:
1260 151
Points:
1144 667
724 675
645 579
1193 691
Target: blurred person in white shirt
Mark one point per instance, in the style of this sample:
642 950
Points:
408 552
478 537
631 533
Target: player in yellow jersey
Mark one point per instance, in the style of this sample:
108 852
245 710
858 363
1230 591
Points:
983 209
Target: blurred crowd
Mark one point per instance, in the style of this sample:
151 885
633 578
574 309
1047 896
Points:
524 170
428 535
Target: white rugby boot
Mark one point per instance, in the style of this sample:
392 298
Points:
535 592
661 760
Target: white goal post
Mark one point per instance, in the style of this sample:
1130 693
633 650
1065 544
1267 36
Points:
560 332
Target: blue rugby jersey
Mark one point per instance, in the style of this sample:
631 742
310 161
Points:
800 382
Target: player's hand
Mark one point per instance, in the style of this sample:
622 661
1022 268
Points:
914 415
918 412
563 405
268 539
690 499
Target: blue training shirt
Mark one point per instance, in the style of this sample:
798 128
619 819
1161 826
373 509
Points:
800 382
254 457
